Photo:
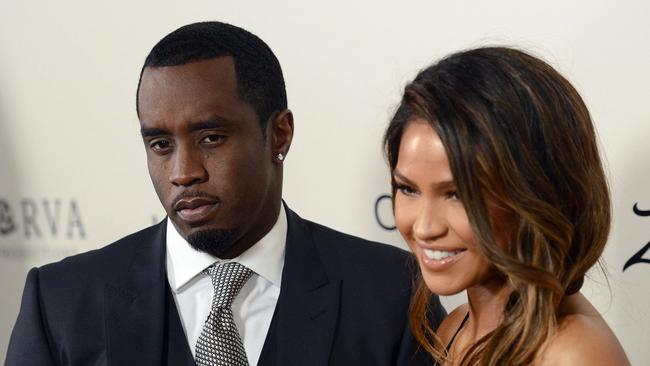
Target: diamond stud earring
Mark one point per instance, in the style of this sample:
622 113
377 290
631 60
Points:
280 156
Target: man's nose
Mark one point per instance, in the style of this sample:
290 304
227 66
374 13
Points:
188 167
430 223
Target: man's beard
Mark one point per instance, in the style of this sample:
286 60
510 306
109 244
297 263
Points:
214 241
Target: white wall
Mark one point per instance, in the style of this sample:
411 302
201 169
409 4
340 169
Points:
69 133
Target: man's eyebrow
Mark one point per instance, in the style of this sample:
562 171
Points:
152 131
215 122
212 123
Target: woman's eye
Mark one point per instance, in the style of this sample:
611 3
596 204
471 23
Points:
404 189
453 195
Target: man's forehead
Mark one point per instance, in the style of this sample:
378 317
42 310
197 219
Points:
213 77
222 67
194 82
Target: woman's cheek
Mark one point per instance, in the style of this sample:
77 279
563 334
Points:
403 218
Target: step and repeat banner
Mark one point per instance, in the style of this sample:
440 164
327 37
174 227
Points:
73 173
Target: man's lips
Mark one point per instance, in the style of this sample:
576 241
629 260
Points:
196 209
192 203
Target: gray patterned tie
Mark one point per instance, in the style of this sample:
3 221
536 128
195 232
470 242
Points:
219 343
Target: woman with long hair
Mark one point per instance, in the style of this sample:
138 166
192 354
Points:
499 190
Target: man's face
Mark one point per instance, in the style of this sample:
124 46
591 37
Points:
212 169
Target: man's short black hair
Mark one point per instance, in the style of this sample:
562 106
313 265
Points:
259 76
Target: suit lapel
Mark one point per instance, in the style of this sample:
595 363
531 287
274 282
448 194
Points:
137 305
307 309
177 351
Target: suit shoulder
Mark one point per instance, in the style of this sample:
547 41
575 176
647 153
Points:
347 243
351 254
105 260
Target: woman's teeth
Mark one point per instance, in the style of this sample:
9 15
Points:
440 254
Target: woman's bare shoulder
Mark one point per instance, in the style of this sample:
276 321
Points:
583 338
451 323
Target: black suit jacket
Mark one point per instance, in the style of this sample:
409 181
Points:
343 301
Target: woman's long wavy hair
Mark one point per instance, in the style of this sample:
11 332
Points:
517 136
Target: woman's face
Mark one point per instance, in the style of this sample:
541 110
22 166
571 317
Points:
431 217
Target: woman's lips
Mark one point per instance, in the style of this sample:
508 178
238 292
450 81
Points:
439 260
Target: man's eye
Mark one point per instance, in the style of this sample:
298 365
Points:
160 145
211 139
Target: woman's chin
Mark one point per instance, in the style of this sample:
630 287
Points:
441 289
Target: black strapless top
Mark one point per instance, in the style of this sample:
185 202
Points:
451 341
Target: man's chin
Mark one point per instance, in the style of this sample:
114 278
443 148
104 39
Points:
216 242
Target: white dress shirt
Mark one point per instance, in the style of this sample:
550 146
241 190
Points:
254 305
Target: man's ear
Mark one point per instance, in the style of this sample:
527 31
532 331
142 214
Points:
281 134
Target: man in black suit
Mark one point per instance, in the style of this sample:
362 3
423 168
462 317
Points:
216 129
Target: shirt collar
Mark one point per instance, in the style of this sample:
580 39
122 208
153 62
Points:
265 258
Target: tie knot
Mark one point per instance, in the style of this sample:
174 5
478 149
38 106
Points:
227 280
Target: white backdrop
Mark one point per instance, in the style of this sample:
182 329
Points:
72 168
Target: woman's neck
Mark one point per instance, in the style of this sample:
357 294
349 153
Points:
486 303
